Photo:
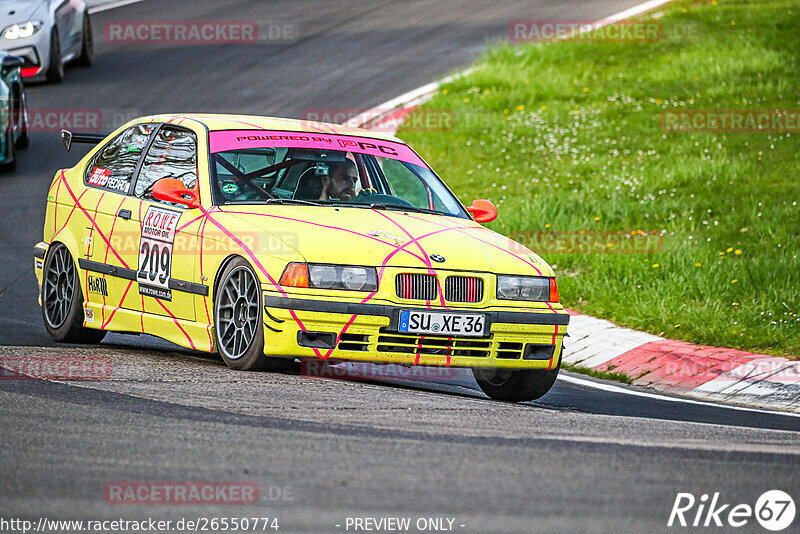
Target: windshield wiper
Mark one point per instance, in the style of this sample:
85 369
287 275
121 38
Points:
276 201
395 207
291 201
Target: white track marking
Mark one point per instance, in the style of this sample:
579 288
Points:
625 391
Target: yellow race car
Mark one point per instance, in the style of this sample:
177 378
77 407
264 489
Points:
270 239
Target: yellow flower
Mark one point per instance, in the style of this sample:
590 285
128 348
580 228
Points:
684 10
677 325
445 91
733 23
596 219
505 111
585 89
698 264
536 195
466 100
737 251
721 253
520 107
734 281
547 226
713 2
734 303
544 108
730 249
655 266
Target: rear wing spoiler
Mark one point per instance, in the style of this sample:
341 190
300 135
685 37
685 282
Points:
67 138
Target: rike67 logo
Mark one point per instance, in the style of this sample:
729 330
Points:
774 510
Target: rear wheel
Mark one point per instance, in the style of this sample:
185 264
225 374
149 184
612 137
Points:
62 301
55 70
516 385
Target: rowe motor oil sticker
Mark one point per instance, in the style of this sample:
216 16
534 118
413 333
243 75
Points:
155 252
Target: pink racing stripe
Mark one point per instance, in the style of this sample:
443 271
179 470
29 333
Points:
111 315
245 248
94 224
205 298
175 320
74 207
393 245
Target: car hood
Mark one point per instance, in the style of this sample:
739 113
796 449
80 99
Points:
17 11
363 236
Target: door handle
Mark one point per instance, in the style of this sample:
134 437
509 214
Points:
125 214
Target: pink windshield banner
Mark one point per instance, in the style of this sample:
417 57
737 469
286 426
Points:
223 141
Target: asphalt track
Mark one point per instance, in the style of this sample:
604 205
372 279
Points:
579 460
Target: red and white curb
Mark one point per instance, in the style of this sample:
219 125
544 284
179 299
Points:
711 373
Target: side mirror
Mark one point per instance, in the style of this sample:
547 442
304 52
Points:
173 190
12 62
482 210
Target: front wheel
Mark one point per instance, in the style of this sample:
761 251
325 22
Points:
516 385
55 70
87 44
239 327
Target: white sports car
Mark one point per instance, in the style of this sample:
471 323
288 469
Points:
47 34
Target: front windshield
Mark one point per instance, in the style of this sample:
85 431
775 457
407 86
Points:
252 167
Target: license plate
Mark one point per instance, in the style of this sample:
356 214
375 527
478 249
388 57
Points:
442 324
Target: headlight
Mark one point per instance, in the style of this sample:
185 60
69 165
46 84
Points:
345 277
524 288
21 30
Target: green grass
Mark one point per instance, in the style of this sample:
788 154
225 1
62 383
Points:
605 375
569 135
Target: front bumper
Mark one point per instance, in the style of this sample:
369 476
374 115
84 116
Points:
302 327
35 50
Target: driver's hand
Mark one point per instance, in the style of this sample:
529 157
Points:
367 192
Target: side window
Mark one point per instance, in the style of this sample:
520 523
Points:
173 154
112 167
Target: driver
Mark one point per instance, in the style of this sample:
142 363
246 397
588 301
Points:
340 184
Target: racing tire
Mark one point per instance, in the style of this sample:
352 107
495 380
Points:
55 70
11 153
516 385
87 44
23 141
238 320
62 300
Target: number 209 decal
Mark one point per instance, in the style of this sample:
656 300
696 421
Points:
155 252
